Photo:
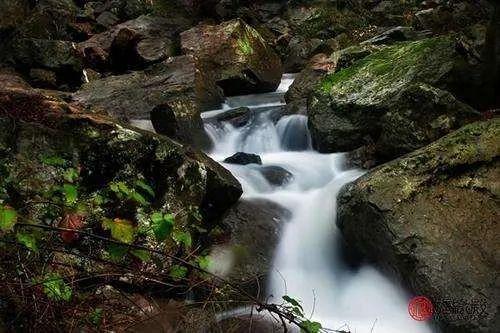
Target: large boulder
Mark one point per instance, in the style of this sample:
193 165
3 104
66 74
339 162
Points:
432 218
131 45
171 93
358 104
105 151
245 257
235 55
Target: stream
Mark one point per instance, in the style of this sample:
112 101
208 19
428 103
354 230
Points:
308 265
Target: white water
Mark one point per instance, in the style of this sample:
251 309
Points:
307 265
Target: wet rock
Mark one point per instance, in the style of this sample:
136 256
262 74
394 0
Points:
276 175
431 217
354 106
131 45
243 159
235 55
238 117
255 227
171 93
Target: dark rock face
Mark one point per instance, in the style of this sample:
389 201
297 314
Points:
57 56
173 91
235 55
276 175
243 159
255 227
359 104
432 218
131 45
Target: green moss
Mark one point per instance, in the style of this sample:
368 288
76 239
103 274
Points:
423 60
244 46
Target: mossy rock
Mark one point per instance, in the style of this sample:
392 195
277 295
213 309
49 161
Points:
432 218
235 55
348 107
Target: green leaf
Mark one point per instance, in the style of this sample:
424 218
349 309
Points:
116 252
70 175
122 187
292 301
27 240
142 185
162 225
53 160
178 272
8 217
70 193
55 288
121 230
137 197
204 262
182 237
310 327
96 316
142 254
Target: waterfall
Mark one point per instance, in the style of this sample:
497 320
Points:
307 262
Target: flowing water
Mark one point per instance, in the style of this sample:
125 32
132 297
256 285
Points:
307 263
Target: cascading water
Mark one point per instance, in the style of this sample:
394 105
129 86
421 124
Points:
307 264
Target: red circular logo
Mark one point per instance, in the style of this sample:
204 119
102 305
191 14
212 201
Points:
420 308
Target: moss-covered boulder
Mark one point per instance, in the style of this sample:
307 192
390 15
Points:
357 105
235 55
318 67
171 93
432 218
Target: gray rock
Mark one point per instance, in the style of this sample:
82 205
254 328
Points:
276 175
432 217
255 227
171 93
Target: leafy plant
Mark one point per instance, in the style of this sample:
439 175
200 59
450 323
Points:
96 316
53 160
162 225
182 237
55 288
307 326
143 255
125 192
8 218
178 272
70 175
204 262
310 326
121 230
70 194
27 240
